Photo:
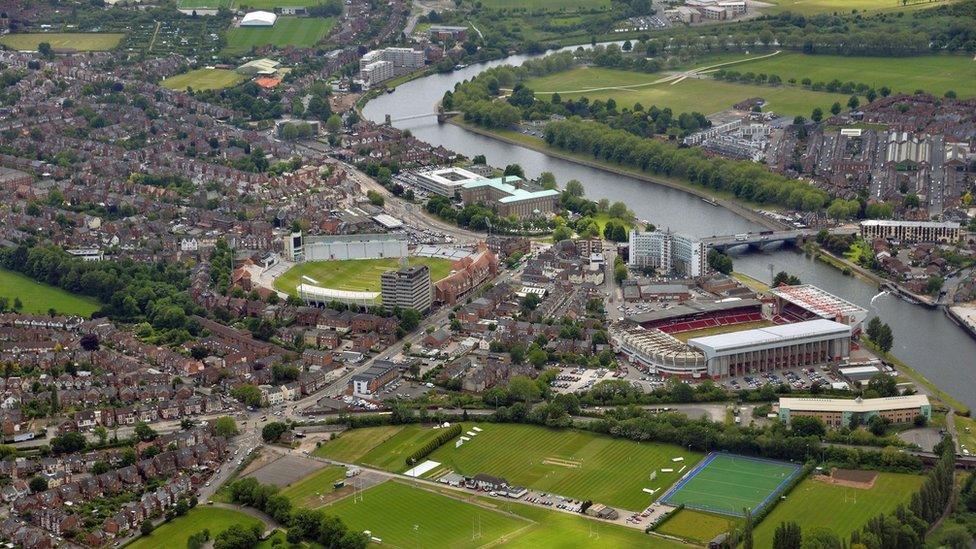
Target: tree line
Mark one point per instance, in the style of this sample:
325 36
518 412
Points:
442 438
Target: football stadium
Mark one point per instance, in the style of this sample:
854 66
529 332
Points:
795 326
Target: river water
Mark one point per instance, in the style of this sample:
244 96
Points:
924 339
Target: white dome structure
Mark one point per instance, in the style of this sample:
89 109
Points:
259 19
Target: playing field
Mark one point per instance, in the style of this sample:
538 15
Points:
567 462
842 509
728 484
966 430
408 516
811 7
696 525
303 32
549 5
352 445
716 330
38 298
203 79
205 4
703 95
357 275
933 73
81 41
177 531
306 492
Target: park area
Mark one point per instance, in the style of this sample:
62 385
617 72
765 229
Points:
935 74
311 490
302 32
354 275
813 7
703 95
385 447
39 298
176 532
729 484
696 526
80 41
843 509
407 516
203 79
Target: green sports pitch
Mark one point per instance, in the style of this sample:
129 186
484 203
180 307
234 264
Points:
302 32
354 275
728 484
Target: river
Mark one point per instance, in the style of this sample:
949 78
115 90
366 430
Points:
925 339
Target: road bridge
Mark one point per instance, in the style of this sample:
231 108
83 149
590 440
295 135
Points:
757 240
441 116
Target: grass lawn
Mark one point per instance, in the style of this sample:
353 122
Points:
391 454
842 509
696 525
550 5
351 446
305 492
38 298
571 463
203 79
728 484
303 32
356 275
205 4
685 336
406 516
811 7
81 41
933 73
703 95
966 431
176 532
602 219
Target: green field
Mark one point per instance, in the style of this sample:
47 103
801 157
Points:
966 431
933 73
407 516
303 32
203 79
38 298
703 95
842 509
306 492
571 463
716 330
176 532
81 41
356 275
205 4
246 5
696 525
352 445
549 5
728 484
811 7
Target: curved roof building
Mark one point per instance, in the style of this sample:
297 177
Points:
259 19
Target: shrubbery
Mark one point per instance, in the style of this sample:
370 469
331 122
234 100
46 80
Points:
441 438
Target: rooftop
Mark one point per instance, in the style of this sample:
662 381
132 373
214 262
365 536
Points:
819 302
894 223
515 194
735 341
854 405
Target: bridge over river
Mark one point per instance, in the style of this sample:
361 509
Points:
757 240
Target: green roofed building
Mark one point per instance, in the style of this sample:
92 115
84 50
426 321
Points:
508 196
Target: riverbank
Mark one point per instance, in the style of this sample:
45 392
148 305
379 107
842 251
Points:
717 199
918 379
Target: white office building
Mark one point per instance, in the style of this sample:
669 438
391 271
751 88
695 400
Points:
339 247
668 252
444 181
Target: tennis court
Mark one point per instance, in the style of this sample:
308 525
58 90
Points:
729 484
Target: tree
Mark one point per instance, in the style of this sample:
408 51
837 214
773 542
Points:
238 536
784 278
225 426
38 484
719 261
102 433
144 432
787 536
806 426
547 180
273 431
874 326
146 527
514 169
375 198
817 114
885 338
247 394
68 443
45 49
853 102
575 188
835 108
89 342
878 425
747 542
333 124
521 388
883 384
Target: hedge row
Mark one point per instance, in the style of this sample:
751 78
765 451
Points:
442 437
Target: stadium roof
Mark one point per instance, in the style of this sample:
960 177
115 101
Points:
894 223
734 342
360 237
318 293
821 303
854 405
388 221
692 308
259 19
